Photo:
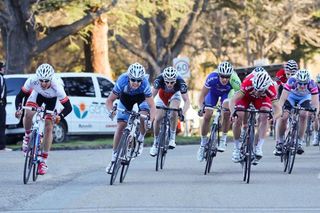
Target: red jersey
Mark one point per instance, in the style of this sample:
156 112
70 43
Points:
281 77
248 90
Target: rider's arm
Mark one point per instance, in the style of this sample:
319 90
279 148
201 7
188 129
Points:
203 94
67 108
154 92
20 97
283 97
315 102
109 102
239 95
152 106
186 100
276 109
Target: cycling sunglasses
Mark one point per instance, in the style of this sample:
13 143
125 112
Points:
135 80
225 76
44 81
304 83
169 82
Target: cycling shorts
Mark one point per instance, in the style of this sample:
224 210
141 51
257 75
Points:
36 100
164 99
122 116
258 103
211 100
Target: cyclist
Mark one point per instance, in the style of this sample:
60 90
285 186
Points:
290 68
302 90
42 88
131 87
258 89
169 88
315 141
219 84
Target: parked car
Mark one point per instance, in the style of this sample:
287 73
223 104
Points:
87 93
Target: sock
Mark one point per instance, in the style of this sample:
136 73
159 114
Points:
203 140
155 140
141 137
44 157
114 155
260 143
224 137
281 139
173 134
237 144
27 132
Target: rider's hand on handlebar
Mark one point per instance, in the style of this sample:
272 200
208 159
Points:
200 112
18 114
57 119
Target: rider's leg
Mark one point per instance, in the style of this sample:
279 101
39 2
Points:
315 141
225 123
236 129
174 103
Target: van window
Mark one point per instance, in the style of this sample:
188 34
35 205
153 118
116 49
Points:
105 86
79 86
14 85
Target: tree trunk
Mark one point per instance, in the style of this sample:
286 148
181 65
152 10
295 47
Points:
87 53
100 57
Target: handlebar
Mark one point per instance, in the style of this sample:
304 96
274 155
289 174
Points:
40 109
146 117
181 116
252 110
298 107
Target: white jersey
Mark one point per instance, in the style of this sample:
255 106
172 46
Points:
56 88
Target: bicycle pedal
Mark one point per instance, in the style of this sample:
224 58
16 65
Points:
255 162
125 162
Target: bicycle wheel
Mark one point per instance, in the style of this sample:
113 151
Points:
165 148
28 162
212 149
293 151
36 161
129 155
249 154
160 144
120 155
285 154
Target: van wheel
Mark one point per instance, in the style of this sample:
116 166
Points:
59 132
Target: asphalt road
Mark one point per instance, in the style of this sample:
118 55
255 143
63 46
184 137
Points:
77 182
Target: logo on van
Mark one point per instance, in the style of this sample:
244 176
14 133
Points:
80 111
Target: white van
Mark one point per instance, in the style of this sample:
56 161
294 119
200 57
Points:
87 93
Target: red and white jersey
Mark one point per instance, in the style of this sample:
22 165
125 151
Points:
281 77
56 88
248 90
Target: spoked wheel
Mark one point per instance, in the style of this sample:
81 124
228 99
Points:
293 152
117 163
212 149
28 164
126 163
35 171
248 156
285 158
163 157
159 160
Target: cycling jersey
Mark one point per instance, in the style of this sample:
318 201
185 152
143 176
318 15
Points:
298 89
216 89
281 77
166 94
56 88
258 99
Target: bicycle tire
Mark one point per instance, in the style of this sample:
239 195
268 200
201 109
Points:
28 162
285 153
293 152
165 148
211 151
160 144
117 162
36 147
249 153
130 153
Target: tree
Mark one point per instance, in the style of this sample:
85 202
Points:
21 34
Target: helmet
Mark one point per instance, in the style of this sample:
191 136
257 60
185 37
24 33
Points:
291 67
136 71
45 72
318 78
225 68
259 69
303 75
170 74
261 81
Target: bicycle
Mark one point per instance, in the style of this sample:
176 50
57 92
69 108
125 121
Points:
211 148
289 148
247 152
33 151
164 136
128 147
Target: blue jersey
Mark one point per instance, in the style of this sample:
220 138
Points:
216 88
122 86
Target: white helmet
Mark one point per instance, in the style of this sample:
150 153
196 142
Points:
225 68
291 67
136 71
261 81
45 72
170 74
303 75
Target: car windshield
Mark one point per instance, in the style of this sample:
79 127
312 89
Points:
14 85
